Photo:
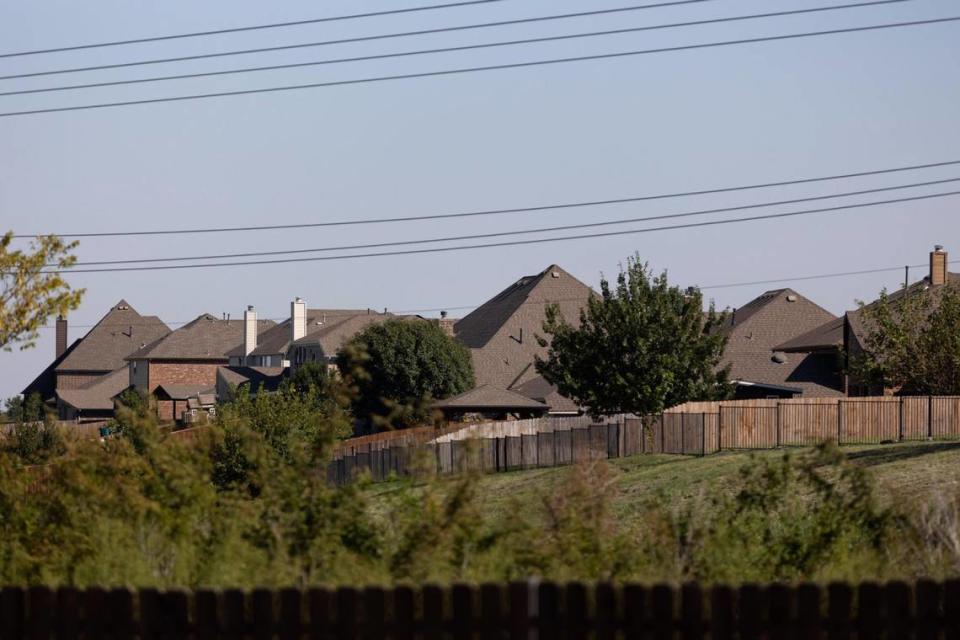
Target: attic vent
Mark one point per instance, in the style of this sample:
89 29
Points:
554 274
779 357
791 298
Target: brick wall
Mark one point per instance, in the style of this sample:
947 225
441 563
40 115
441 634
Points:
76 380
184 372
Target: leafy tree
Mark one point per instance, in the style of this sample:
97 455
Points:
642 346
912 344
399 366
20 409
30 293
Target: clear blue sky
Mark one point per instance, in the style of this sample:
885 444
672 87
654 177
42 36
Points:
581 131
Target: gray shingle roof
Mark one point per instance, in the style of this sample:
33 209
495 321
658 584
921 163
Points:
855 318
539 389
267 378
829 335
118 334
767 322
501 333
184 391
277 339
487 397
332 336
205 338
46 381
97 395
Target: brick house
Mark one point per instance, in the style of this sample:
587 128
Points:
185 362
86 365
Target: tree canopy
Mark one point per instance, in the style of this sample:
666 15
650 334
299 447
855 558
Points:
912 343
30 292
642 346
399 366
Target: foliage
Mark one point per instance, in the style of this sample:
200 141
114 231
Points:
20 409
31 293
402 366
912 343
641 346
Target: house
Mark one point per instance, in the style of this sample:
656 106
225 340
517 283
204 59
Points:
95 400
308 335
492 402
847 335
501 335
85 364
760 367
184 363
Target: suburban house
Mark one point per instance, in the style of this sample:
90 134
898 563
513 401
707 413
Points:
847 335
84 377
308 335
230 380
761 367
502 337
184 363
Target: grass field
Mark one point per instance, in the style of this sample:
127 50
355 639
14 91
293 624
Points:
902 472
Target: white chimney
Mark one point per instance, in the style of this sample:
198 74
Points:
249 330
298 319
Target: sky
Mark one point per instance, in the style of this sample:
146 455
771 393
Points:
581 131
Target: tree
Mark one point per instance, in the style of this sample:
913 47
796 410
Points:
641 346
400 366
29 291
912 343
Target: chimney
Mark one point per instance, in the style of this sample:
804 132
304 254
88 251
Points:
938 266
446 324
298 319
61 335
249 330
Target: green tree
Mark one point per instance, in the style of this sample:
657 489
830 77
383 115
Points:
400 366
642 346
30 292
912 343
20 409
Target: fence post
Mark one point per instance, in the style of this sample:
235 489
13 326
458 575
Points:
703 433
719 428
683 424
839 422
900 423
663 430
930 417
776 408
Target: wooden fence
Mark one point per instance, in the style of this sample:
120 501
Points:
925 610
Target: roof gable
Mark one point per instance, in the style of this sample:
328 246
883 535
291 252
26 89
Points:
118 334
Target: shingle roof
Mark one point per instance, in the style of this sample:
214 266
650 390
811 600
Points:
767 322
277 339
855 318
205 338
46 382
486 397
332 336
97 395
184 391
268 378
501 333
539 389
829 335
118 334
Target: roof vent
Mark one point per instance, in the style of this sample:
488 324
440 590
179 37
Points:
779 357
791 298
249 307
554 274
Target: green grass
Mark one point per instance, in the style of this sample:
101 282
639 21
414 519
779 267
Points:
902 473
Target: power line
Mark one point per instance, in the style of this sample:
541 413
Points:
515 210
512 243
820 276
323 43
258 27
498 234
464 70
403 54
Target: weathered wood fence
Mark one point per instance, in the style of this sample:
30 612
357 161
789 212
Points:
925 610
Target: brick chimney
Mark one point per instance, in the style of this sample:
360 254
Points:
249 330
446 324
298 319
61 335
938 266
